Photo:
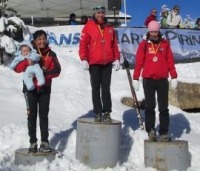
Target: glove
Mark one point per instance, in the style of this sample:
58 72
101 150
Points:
117 65
136 85
85 65
174 83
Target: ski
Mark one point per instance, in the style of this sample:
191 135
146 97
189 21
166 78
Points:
136 104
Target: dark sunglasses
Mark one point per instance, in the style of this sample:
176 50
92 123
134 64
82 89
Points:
99 8
154 12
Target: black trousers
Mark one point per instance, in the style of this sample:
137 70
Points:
151 88
34 102
100 77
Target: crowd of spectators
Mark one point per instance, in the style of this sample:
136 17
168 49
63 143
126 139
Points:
72 20
170 19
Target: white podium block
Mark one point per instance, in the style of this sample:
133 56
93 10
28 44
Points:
98 143
166 156
22 157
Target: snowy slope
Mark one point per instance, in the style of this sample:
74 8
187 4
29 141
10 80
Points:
71 99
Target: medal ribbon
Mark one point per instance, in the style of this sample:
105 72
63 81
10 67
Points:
101 30
41 54
155 50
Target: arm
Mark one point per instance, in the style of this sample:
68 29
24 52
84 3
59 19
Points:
139 62
83 45
115 47
16 60
34 57
21 66
170 62
54 69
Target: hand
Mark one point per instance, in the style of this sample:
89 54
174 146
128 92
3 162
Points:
85 65
31 62
136 85
117 65
174 83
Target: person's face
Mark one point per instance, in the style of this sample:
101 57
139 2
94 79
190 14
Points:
164 14
25 50
83 20
153 34
154 12
176 10
73 18
41 41
99 15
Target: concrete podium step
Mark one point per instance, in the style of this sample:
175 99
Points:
166 156
98 143
22 157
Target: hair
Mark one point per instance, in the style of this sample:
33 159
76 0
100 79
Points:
152 9
159 36
198 20
176 7
22 46
38 33
72 15
84 17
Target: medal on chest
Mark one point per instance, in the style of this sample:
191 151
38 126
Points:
155 58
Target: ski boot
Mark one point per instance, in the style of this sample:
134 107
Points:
32 148
106 117
44 148
164 138
152 135
98 117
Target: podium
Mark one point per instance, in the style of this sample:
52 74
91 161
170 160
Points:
166 156
98 143
22 157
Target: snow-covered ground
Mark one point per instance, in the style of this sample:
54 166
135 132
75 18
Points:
71 99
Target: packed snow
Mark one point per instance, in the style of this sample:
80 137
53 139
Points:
71 99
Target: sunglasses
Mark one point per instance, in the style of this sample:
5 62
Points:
154 12
99 8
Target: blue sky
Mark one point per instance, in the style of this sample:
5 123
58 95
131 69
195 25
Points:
140 9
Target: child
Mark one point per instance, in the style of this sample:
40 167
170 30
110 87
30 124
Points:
26 52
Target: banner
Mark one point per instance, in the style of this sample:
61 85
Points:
185 43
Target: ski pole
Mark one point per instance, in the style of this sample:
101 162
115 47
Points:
136 104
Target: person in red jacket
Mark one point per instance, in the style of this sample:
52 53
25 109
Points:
38 99
151 17
98 49
155 60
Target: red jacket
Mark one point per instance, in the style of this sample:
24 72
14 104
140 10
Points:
155 66
149 19
91 47
50 62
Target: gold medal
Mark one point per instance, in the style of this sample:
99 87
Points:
155 59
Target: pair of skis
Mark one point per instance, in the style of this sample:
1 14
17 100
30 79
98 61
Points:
136 104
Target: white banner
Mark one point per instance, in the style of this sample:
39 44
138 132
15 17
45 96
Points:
184 43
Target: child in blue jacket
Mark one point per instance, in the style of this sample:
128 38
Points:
27 52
